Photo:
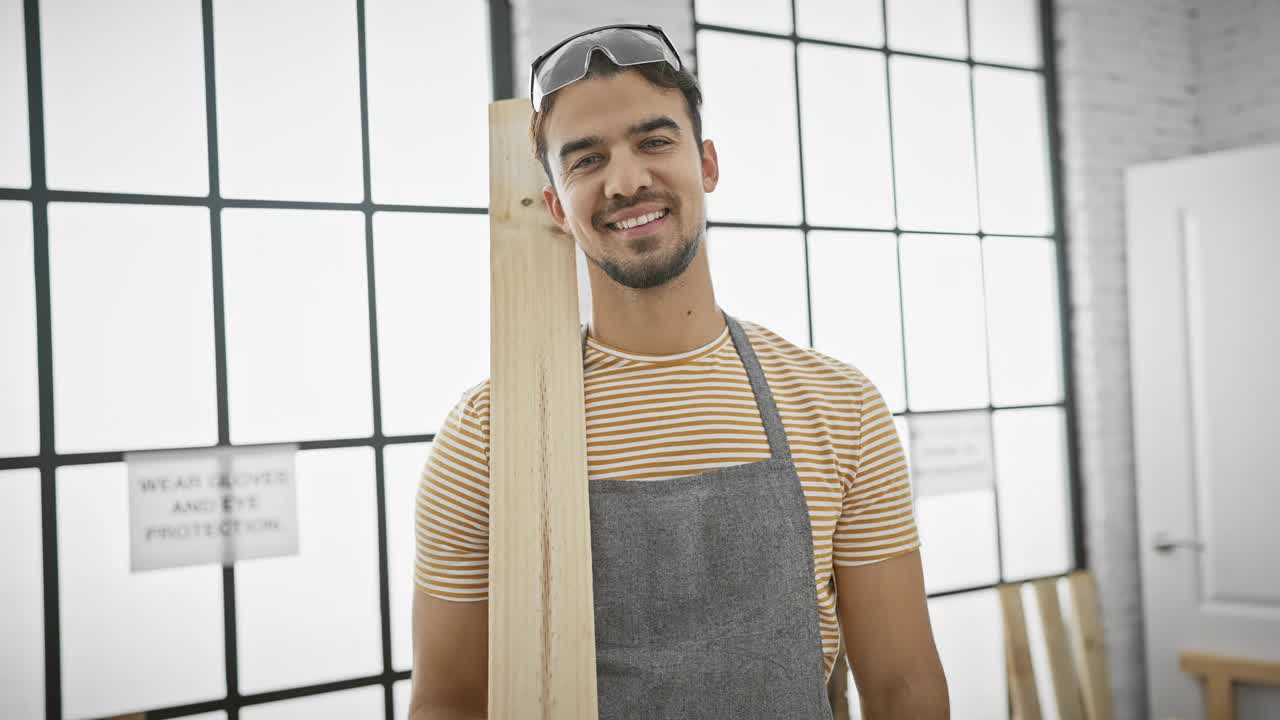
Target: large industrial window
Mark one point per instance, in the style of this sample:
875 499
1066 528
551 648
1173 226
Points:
232 222
889 197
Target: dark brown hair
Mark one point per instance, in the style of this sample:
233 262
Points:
659 74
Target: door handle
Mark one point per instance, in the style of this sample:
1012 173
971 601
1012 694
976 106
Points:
1164 545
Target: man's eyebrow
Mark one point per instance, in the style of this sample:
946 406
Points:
574 146
590 141
661 121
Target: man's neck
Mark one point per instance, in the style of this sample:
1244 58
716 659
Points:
673 319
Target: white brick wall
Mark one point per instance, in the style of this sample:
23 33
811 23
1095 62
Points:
1127 95
1140 80
1237 43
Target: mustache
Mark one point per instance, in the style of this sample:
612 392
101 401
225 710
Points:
671 201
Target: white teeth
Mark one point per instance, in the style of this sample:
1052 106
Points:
633 222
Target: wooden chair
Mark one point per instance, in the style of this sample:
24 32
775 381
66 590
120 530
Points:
1073 641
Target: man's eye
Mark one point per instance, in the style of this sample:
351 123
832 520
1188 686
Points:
583 162
656 142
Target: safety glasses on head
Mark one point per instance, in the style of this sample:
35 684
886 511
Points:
567 61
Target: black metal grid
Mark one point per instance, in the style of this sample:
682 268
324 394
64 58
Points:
48 461
1048 71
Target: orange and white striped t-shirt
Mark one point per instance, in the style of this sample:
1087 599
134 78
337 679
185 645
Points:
660 417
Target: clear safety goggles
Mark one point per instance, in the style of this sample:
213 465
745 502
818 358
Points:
567 61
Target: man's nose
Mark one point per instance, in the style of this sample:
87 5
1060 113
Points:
627 175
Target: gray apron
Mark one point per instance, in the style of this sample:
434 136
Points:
705 605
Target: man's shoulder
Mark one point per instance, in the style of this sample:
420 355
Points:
784 356
474 404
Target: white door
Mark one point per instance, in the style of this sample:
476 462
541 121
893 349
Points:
1204 313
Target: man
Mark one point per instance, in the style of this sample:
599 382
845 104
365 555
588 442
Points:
749 498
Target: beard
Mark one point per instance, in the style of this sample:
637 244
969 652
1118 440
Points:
652 272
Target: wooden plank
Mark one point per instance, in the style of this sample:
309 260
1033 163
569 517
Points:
541 622
1066 690
1088 646
1246 670
1024 703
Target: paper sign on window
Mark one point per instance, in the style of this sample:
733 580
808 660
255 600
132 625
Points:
216 505
951 452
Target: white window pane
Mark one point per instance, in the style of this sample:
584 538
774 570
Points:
933 145
1006 31
332 583
401 468
136 67
119 628
901 424
433 292
1022 320
845 117
750 114
297 320
400 695
288 99
21 596
969 632
15 152
1013 154
422 118
766 15
362 702
935 27
853 280
943 314
742 259
132 303
1031 476
958 540
852 21
19 377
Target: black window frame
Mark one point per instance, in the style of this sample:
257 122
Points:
49 460
1048 71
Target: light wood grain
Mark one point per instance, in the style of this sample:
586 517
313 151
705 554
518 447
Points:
1088 647
541 623
1219 699
1066 689
1221 673
1246 670
1024 703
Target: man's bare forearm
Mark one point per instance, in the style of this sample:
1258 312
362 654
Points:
921 697
446 712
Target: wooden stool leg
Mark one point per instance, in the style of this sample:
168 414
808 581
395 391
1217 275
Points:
1218 698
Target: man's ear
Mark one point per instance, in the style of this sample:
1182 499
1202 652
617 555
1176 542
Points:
553 206
710 166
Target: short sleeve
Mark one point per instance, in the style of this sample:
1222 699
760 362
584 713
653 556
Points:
451 525
877 519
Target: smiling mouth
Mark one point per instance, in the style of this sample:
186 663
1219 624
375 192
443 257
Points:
639 221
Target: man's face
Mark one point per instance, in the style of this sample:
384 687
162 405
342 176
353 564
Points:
622 153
